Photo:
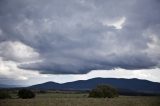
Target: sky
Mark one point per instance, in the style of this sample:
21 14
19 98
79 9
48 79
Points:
68 40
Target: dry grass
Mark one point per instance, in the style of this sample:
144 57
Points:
52 99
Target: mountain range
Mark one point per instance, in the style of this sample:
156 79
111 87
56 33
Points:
9 86
125 85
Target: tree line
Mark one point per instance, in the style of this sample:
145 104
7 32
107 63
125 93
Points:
100 91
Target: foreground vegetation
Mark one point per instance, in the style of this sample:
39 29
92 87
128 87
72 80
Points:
26 94
73 99
103 91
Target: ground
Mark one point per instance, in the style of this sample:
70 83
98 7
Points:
60 99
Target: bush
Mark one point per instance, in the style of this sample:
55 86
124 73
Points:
25 94
4 95
103 91
42 91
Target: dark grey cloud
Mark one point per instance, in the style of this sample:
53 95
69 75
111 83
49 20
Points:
73 37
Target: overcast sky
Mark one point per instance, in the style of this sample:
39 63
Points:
65 40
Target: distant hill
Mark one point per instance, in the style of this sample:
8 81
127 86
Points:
9 86
125 85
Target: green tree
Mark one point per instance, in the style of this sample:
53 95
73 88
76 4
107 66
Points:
103 91
25 94
4 95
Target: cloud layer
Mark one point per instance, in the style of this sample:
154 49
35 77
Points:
77 36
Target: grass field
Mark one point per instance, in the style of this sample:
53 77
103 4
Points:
59 99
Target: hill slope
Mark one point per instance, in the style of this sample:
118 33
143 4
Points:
122 84
9 86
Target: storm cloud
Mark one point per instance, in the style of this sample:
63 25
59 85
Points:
77 36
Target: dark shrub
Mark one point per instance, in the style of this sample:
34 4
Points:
4 95
103 91
25 94
42 91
